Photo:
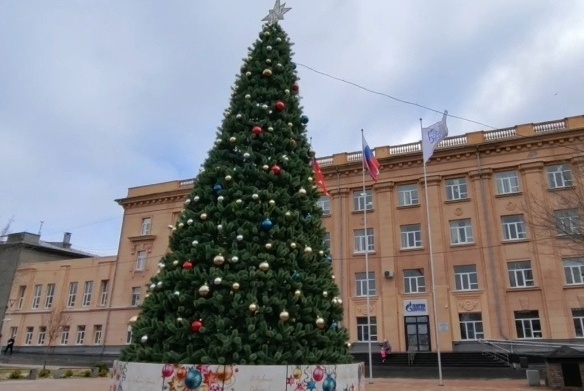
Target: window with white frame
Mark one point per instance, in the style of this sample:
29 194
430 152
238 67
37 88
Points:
574 271
64 335
362 200
520 274
408 195
146 225
327 241
411 236
50 296
364 240
72 294
88 292
466 277
141 260
361 280
363 328
559 176
129 334
21 292
507 182
28 335
471 326
36 300
513 227
104 291
97 330
42 335
80 335
567 222
414 281
324 203
461 232
136 296
456 189
527 324
578 318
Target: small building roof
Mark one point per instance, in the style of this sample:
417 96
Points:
565 352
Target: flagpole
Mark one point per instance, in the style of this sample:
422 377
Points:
434 300
367 265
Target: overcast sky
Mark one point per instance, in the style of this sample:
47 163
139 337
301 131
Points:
98 96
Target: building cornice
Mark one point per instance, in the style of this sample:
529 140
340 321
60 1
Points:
156 198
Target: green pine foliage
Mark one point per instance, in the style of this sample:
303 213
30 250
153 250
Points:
253 234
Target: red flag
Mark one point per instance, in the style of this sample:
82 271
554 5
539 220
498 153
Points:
319 177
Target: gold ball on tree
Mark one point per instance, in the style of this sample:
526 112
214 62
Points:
253 307
284 315
320 323
204 290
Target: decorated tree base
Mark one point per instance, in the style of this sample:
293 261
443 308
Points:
131 376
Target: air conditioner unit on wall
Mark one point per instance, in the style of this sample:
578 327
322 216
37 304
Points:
388 274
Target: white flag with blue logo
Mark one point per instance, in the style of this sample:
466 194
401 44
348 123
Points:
432 135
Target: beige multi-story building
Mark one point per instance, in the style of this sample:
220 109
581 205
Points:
499 274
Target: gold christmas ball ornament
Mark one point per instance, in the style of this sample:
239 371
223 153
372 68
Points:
264 266
228 178
253 307
287 92
159 284
284 315
235 286
247 96
308 250
144 339
196 198
190 221
349 345
234 259
195 242
152 286
248 73
292 245
288 214
270 129
203 216
175 262
220 198
320 323
321 252
268 246
255 196
176 293
238 201
219 259
297 293
302 191
335 300
266 167
333 277
267 72
187 201
217 281
324 294
272 202
179 319
297 373
232 139
290 125
204 290
268 61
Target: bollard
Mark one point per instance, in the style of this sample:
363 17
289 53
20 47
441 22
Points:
33 374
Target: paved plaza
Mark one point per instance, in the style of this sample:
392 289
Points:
102 384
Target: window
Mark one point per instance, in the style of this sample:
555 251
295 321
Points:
80 335
42 335
104 289
135 296
574 271
129 335
471 326
141 260
559 176
364 240
50 296
567 222
72 294
87 293
28 335
363 329
527 324
361 280
324 203
13 331
513 227
64 335
456 189
21 292
327 241
414 281
408 195
466 277
411 236
146 224
97 334
520 274
507 182
461 232
362 200
36 300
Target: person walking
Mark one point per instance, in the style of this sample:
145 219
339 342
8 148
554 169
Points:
385 350
9 345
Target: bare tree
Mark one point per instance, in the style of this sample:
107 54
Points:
54 322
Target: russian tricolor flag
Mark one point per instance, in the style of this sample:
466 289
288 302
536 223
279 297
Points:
369 160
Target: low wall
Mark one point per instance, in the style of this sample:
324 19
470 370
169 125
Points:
130 376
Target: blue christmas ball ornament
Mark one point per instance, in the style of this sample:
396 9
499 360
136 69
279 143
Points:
193 379
267 225
217 188
304 119
329 384
335 326
329 259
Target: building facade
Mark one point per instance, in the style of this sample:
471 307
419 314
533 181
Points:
493 270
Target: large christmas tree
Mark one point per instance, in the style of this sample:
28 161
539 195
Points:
248 279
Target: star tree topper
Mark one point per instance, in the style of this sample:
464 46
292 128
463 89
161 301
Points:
276 13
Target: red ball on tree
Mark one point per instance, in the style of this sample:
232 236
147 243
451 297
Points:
188 265
257 130
280 105
276 169
196 326
296 87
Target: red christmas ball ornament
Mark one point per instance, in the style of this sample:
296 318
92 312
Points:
196 326
296 87
188 265
280 106
318 374
276 169
257 130
167 370
181 373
